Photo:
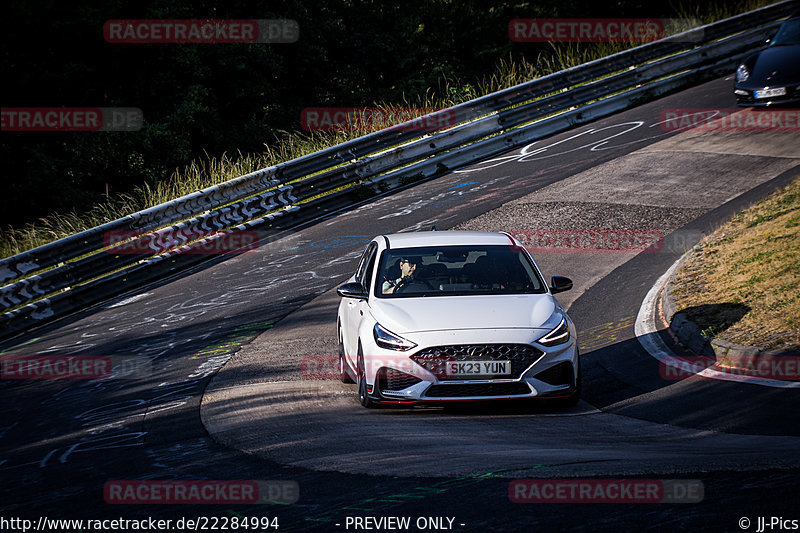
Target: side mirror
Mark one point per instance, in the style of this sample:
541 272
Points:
560 284
351 290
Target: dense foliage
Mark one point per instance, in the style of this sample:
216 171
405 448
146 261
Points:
203 100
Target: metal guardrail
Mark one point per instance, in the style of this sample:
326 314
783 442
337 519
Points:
81 269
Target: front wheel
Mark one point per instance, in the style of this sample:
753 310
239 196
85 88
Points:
363 397
344 377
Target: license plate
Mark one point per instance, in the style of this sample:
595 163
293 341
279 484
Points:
767 93
478 368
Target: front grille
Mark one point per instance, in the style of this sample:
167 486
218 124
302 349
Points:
435 359
477 389
390 379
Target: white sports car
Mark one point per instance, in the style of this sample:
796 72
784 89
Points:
446 316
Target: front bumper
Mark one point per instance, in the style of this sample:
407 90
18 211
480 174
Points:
540 372
745 96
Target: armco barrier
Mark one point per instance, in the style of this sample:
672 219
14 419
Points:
81 269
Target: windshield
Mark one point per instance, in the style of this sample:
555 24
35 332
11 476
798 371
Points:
456 270
788 34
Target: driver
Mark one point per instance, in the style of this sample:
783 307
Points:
408 269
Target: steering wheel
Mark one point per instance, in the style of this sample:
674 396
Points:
403 285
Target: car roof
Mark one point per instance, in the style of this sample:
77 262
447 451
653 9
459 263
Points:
446 238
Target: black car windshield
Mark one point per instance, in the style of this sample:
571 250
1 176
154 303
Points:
789 33
456 270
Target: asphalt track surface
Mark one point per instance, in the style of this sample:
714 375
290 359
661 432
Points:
223 396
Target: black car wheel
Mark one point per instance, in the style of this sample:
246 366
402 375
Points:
363 397
343 375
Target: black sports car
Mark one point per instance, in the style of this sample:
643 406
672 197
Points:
772 76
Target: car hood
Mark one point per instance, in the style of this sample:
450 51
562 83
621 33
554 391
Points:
412 315
779 65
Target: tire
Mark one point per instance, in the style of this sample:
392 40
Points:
363 397
344 377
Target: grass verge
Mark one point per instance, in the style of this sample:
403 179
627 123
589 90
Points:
741 283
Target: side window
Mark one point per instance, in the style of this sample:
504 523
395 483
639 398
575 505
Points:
370 269
362 264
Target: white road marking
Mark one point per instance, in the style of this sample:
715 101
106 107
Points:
126 301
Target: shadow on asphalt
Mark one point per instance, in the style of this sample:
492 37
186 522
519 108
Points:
623 379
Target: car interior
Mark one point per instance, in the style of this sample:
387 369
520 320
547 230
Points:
465 271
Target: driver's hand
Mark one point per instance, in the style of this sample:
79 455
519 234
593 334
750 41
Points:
405 280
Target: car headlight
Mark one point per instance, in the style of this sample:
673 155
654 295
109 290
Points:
742 74
386 339
558 335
